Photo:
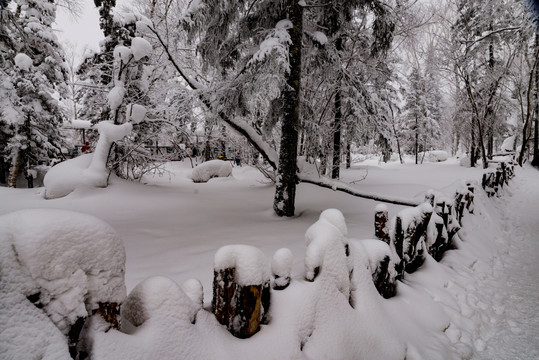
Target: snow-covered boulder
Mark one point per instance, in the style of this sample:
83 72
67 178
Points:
210 169
57 266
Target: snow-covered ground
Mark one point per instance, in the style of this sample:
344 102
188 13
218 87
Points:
480 302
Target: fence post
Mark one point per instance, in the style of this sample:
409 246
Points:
381 230
241 289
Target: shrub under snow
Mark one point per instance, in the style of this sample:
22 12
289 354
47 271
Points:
211 169
61 261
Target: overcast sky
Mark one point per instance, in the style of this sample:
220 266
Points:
81 33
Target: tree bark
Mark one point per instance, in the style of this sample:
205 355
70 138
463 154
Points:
335 172
286 179
535 161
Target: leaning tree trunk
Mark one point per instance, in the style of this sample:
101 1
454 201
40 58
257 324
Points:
535 161
286 179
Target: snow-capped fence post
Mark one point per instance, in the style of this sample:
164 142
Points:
381 230
241 289
429 197
470 197
281 267
410 228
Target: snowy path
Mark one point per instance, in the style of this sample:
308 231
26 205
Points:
513 286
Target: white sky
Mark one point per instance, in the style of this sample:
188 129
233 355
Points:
82 33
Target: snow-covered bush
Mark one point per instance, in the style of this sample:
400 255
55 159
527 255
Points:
436 156
89 169
61 261
210 169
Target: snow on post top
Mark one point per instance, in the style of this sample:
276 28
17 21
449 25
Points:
336 218
250 263
281 263
381 208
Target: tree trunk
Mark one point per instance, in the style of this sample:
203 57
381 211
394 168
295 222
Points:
535 161
472 149
286 179
14 168
335 172
416 139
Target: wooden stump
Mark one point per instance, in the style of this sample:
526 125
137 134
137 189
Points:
240 306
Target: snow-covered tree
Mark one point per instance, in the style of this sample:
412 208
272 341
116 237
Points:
33 82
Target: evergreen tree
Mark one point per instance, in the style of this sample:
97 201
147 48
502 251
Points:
34 75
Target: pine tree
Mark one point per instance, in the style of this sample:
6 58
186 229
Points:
34 75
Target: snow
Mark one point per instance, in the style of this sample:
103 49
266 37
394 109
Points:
81 124
116 97
211 169
284 25
135 113
250 264
68 262
122 53
436 155
281 266
508 143
140 48
320 37
87 170
23 61
479 302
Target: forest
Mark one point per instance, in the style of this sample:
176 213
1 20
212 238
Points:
275 80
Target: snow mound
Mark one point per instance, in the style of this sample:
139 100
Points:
436 156
23 61
211 169
327 251
66 262
155 298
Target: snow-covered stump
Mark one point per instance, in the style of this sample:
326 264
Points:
409 231
241 289
381 220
